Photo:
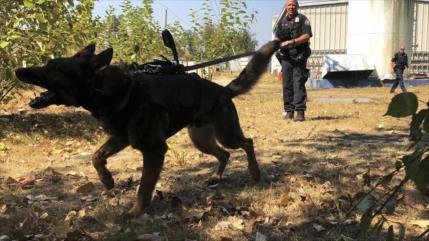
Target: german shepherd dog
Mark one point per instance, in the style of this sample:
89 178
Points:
145 110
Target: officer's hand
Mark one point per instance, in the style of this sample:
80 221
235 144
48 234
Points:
286 44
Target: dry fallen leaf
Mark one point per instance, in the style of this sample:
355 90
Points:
40 198
284 199
70 215
44 216
222 225
349 222
276 157
236 222
27 182
82 213
52 171
3 147
10 181
85 188
89 198
71 173
318 227
3 209
113 202
421 223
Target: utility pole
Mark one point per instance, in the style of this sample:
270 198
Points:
165 21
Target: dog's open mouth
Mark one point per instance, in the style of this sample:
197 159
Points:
45 99
34 77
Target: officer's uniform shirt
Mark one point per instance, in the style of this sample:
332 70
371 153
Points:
400 60
292 28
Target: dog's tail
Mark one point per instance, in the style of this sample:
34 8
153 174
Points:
254 69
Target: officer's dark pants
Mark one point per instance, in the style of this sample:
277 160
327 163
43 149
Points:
399 80
294 75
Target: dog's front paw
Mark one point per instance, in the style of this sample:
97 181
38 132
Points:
134 212
214 180
108 182
105 177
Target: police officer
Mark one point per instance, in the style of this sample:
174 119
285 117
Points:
294 31
400 59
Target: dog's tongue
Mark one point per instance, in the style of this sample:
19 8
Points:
44 100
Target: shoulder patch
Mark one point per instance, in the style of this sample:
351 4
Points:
307 22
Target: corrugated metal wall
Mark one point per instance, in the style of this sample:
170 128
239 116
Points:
421 35
420 55
329 26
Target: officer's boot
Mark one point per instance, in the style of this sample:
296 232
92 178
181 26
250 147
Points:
288 115
299 116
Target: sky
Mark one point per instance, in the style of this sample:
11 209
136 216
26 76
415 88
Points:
180 10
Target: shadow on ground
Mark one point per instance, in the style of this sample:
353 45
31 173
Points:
186 208
62 125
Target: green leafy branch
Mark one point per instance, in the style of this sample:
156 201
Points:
413 167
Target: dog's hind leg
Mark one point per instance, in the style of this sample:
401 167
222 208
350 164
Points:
99 159
230 135
204 140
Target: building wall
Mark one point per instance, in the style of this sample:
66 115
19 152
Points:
329 25
373 27
377 28
420 51
421 35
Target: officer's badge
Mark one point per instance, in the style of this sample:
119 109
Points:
307 22
297 20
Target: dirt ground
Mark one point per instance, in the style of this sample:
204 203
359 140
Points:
49 189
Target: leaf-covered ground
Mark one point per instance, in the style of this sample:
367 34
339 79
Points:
49 189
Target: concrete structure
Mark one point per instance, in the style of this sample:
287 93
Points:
376 28
372 28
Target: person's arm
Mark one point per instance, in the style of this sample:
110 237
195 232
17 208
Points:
296 41
406 61
394 58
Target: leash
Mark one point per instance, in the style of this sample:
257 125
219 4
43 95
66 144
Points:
167 67
218 61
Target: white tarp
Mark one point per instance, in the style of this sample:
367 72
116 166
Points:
345 62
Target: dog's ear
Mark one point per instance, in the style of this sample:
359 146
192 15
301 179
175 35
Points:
86 52
102 59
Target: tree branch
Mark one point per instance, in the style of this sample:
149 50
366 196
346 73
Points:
390 196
